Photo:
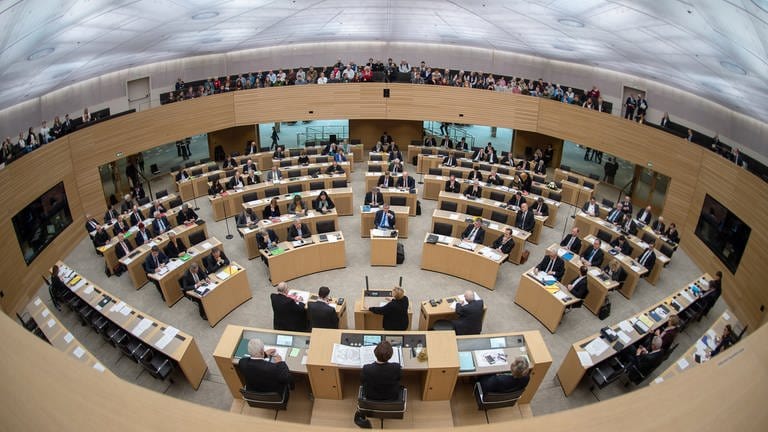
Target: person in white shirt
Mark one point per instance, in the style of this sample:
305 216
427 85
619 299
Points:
322 79
348 75
44 130
404 66
591 208
301 77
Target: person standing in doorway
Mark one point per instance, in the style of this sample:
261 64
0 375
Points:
275 138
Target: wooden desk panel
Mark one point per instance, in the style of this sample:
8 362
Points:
228 294
410 198
429 314
598 289
401 220
169 281
493 231
281 228
313 258
539 302
383 251
464 264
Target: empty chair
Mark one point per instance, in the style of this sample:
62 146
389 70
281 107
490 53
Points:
375 168
318 185
190 164
589 185
158 365
213 166
311 149
474 211
572 179
175 203
175 168
435 171
294 173
196 237
285 163
555 196
162 193
497 196
466 164
458 174
565 167
321 159
539 178
648 237
339 183
606 373
503 170
143 200
110 334
397 200
229 173
196 172
604 236
536 190
394 409
250 196
271 192
376 157
294 188
214 177
499 217
99 323
269 400
426 151
448 206
630 250
131 347
666 250
443 229
594 176
310 144
492 400
485 167
608 203
325 226
294 152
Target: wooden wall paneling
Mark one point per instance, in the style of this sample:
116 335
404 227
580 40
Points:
402 131
232 139
523 139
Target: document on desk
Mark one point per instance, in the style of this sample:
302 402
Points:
141 327
301 296
491 357
345 355
596 347
624 338
453 216
68 338
595 272
682 364
282 351
625 326
584 358
332 239
99 367
45 313
38 301
78 352
88 289
168 336
51 322
117 307
560 295
687 296
207 245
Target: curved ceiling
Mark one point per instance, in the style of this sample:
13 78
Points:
712 48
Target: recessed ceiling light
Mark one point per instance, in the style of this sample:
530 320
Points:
732 67
570 22
45 52
761 4
205 15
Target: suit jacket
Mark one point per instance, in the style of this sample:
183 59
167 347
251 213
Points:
658 226
379 218
630 226
492 158
580 288
644 217
271 176
91 225
381 381
558 267
391 181
263 376
322 315
449 161
242 220
120 227
140 240
395 314
575 246
251 148
136 219
395 168
455 188
288 315
479 237
619 275
597 259
188 280
156 225
505 247
494 180
293 232
503 383
625 249
210 264
183 216
544 208
411 182
149 262
586 206
650 261
614 216
470 320
174 248
262 243
110 215
252 179
475 174
646 363
369 198
478 155
120 250
525 223
446 143
292 207
516 200
268 213
338 169
472 191
232 183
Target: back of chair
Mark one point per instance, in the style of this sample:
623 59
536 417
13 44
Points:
162 193
294 173
394 409
555 196
376 168
175 168
604 236
196 237
250 196
589 185
443 229
326 226
474 211
458 174
397 200
285 163
503 170
648 237
294 188
607 203
490 400
448 206
271 192
375 157
213 177
539 178
572 179
499 217
536 190
435 171
318 185
142 201
466 164
339 183
565 167
497 196
321 159
311 149
268 400
190 164
666 250
174 203
294 152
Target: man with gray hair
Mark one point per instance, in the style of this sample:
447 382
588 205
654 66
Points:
470 315
289 314
264 371
516 380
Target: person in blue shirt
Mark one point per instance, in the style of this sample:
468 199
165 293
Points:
385 218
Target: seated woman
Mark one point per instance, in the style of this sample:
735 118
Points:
516 380
323 203
725 341
297 206
380 380
395 312
303 158
272 210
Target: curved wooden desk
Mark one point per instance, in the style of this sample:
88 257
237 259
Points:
469 265
300 261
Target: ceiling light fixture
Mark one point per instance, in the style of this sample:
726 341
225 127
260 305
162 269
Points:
45 52
732 67
205 15
570 22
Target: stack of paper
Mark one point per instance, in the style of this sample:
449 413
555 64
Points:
595 272
561 295
141 327
301 296
596 347
467 245
584 358
491 357
168 335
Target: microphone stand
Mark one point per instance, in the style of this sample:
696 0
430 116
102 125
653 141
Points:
575 210
229 235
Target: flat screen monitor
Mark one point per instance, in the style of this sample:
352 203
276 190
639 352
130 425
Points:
723 232
41 221
371 340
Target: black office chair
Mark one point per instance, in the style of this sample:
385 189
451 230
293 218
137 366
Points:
375 168
594 176
493 400
250 196
539 178
565 167
637 376
448 206
499 217
99 323
666 250
310 147
474 211
294 173
457 174
604 236
572 179
175 168
321 159
607 203
339 183
131 347
589 185
397 201
394 409
316 185
213 166
605 373
142 201
285 163
271 192
536 190
294 188
277 401
443 325
294 152
325 226
158 365
435 171
503 170
375 157
555 196
176 202
497 196
162 193
466 164
442 153
441 228
190 164
648 237
229 173
630 250
196 237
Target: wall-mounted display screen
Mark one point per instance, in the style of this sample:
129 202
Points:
41 221
723 232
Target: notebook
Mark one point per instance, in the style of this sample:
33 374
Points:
466 361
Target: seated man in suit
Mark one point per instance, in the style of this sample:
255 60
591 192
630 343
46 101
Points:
120 226
446 142
648 258
91 223
251 148
251 177
142 235
525 219
334 168
614 271
230 163
250 167
450 160
160 224
672 234
126 204
216 188
155 260
406 181
266 239
186 215
494 178
374 198
136 215
289 314
622 245
474 232
111 214
298 230
247 219
615 216
475 174
572 241
516 200
645 215
123 246
452 185
386 180
591 208
578 287
540 208
491 156
59 289
395 166
474 189
515 381
321 313
279 153
593 255
274 174
628 225
157 207
646 361
430 141
658 227
462 144
552 264
193 279
470 315
184 175
384 218
478 155
505 242
395 153
236 181
626 205
175 247
215 261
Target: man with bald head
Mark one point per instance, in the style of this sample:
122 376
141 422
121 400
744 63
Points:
470 315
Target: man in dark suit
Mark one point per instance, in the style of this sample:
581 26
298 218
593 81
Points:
474 233
515 381
266 238
264 371
648 258
236 181
186 215
491 156
334 168
474 190
155 260
645 215
215 261
475 174
578 287
385 218
381 379
142 235
430 141
659 226
123 247
251 147
540 208
385 181
478 155
470 315
505 242
298 231
111 214
406 181
452 185
193 279
525 219
450 160
615 215
552 264
321 313
91 223
446 142
126 204
175 247
591 208
646 361
374 198
593 255
622 245
572 241
252 178
274 174
494 179
136 215
516 199
247 219
628 225
289 315
160 224
395 166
